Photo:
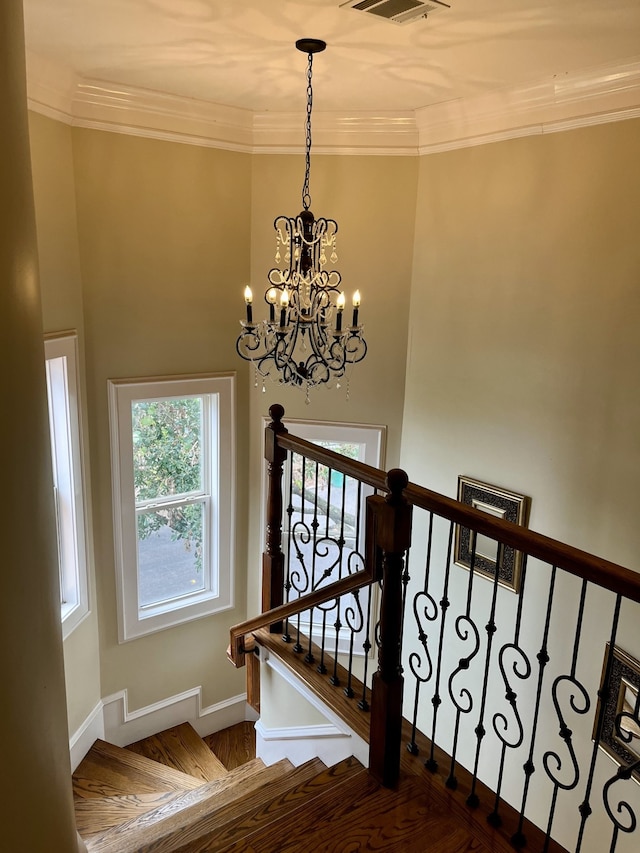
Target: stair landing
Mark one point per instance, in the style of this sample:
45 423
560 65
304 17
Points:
182 748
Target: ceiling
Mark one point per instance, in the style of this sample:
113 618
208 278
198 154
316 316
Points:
240 53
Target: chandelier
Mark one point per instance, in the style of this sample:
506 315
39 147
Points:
306 341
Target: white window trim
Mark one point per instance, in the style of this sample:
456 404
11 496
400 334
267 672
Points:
133 620
66 428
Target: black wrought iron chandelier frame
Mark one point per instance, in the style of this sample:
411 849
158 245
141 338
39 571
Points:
303 341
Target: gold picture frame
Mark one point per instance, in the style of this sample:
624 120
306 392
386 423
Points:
501 503
621 743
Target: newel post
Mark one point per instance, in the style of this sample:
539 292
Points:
391 520
272 557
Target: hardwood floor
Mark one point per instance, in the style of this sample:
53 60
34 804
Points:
363 816
182 748
234 746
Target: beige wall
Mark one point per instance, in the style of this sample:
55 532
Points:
62 310
164 239
36 809
524 348
373 200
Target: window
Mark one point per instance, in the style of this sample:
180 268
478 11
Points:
313 557
173 499
66 457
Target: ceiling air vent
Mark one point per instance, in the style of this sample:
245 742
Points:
398 11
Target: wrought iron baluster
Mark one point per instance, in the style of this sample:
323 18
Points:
565 731
464 701
354 618
603 694
423 603
518 839
321 668
501 724
431 763
480 731
623 774
300 576
406 577
286 636
363 704
353 615
623 807
335 679
309 657
324 547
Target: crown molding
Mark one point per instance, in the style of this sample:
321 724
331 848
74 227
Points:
562 103
50 88
142 112
356 133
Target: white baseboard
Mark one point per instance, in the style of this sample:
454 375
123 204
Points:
122 726
302 743
83 739
112 720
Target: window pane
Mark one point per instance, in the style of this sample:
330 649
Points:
170 561
347 448
167 447
330 484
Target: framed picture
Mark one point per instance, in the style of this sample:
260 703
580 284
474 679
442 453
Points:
620 737
500 503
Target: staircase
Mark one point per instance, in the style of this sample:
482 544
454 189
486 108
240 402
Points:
171 793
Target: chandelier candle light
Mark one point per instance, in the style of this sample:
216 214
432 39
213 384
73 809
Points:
304 344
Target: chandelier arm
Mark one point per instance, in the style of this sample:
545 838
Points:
248 343
355 348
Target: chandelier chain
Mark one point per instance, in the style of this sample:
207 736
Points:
306 195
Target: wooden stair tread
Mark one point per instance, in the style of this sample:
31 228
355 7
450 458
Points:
433 785
333 695
235 745
364 816
108 771
269 807
192 813
182 748
95 815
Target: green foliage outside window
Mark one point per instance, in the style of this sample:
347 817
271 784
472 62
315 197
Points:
307 479
167 462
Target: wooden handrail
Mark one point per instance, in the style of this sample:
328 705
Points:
237 651
597 570
351 467
604 573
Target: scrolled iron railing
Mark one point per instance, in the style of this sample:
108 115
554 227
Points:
513 691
